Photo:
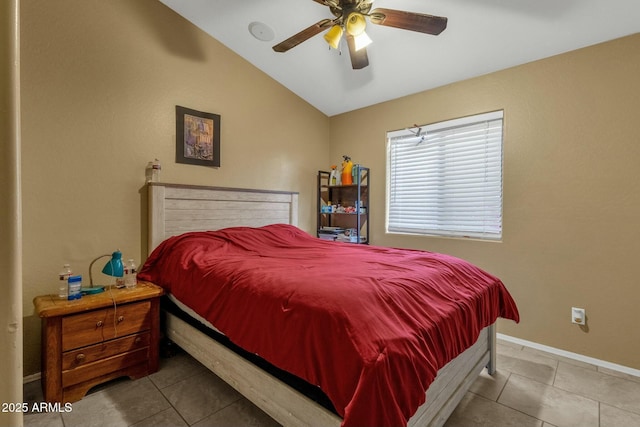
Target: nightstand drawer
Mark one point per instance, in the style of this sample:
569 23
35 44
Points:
105 366
85 329
84 356
129 319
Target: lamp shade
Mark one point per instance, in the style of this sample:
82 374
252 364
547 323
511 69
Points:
333 36
361 40
355 24
114 266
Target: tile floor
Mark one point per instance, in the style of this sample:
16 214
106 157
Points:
531 388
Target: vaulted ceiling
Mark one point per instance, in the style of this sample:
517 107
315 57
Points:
482 36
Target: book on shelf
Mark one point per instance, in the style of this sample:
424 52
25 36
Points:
330 233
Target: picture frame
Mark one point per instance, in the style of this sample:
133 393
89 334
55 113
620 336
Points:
197 137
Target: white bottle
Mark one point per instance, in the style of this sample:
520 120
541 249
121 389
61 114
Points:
63 284
333 176
130 274
152 171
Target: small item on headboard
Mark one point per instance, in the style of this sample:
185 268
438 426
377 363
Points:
152 172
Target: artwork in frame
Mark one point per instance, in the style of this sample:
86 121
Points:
197 137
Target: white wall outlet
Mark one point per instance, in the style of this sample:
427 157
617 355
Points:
578 316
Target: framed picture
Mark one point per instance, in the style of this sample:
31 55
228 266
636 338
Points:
197 137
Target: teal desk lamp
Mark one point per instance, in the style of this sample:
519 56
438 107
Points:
113 267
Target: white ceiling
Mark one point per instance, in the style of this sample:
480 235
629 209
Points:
482 36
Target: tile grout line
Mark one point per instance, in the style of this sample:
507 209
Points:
167 400
184 379
599 413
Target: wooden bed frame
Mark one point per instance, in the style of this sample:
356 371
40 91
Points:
175 209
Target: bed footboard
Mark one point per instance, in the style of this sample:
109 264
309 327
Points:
291 408
453 381
283 403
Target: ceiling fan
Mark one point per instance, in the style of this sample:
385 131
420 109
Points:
350 19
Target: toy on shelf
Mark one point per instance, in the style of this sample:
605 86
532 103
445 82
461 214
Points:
347 166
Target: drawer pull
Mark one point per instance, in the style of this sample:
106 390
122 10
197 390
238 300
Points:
99 324
80 358
137 340
120 319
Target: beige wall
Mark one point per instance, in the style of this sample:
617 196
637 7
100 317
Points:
100 83
571 190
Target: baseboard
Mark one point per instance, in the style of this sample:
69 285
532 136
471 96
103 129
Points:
570 355
32 378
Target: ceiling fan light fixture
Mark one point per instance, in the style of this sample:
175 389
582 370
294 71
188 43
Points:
362 40
333 36
350 22
355 24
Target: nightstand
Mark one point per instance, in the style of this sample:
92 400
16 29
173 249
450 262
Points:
97 338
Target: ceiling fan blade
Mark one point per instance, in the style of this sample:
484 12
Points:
303 35
359 58
330 3
420 22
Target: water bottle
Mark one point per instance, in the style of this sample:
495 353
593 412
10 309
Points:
63 284
75 286
130 272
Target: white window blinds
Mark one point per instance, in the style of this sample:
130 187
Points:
447 179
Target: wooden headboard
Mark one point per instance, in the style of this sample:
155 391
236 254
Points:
175 209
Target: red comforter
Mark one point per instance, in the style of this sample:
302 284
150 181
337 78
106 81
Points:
370 325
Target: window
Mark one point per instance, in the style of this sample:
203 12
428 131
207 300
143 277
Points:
446 178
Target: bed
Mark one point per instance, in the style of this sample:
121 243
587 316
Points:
370 377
